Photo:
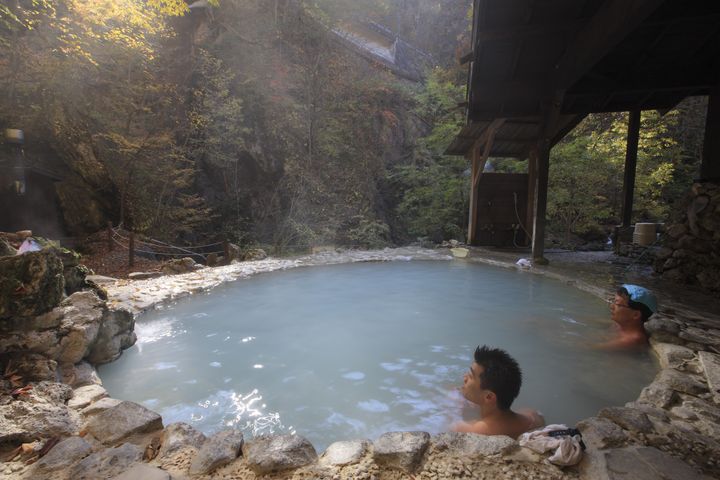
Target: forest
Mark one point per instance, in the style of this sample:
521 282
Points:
250 120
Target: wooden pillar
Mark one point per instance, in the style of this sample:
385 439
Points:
479 159
710 166
472 214
541 191
631 152
532 185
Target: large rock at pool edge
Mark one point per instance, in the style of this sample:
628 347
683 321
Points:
116 333
268 454
217 451
345 452
107 463
122 421
177 436
647 463
30 284
474 445
401 450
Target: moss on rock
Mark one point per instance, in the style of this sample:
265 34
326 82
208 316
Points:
30 284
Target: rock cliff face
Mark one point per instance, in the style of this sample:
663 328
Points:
692 250
80 328
42 335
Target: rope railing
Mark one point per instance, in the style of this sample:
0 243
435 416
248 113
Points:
157 248
126 240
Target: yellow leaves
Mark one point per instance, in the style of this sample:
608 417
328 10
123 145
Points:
131 25
169 7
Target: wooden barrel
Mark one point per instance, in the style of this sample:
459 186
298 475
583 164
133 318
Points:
644 234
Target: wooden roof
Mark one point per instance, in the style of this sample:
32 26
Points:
584 56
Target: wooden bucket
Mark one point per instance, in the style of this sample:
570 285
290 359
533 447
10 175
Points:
645 234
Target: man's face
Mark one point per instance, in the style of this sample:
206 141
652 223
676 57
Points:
472 389
620 311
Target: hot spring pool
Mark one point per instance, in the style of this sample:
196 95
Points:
351 351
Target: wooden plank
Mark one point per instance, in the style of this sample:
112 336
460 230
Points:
631 151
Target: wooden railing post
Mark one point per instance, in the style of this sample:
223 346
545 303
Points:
131 250
110 236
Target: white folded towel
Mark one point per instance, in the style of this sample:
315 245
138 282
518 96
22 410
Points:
568 449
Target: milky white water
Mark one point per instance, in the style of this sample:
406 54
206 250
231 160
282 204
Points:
352 351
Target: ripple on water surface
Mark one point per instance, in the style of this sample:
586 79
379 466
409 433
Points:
355 350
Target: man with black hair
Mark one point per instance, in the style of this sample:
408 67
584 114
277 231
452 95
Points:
492 383
629 309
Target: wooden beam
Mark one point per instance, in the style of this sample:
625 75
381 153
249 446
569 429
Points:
486 154
710 165
609 26
566 124
687 77
662 102
631 152
524 31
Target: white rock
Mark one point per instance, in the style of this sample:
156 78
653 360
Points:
84 396
344 453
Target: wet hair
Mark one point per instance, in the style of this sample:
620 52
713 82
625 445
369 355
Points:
645 312
501 374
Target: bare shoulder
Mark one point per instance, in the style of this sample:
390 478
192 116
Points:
535 418
479 427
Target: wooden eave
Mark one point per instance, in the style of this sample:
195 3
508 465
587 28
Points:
592 55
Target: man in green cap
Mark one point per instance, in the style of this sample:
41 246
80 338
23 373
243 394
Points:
630 308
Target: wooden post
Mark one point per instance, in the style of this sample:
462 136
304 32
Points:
226 251
110 236
478 165
631 152
532 185
710 166
543 170
472 215
131 250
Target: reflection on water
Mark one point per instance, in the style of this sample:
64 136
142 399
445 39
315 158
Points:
353 351
228 409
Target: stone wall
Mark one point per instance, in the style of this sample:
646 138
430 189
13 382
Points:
692 247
